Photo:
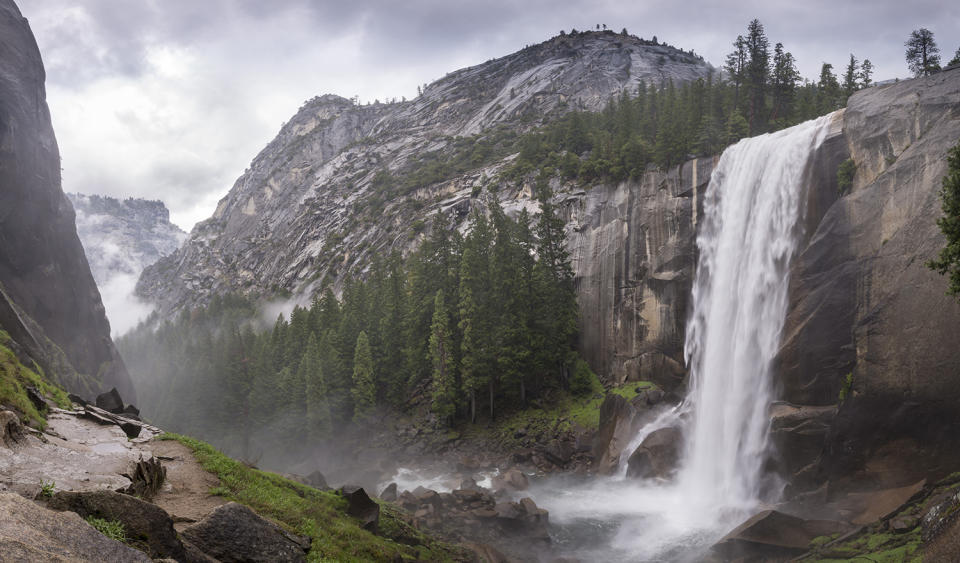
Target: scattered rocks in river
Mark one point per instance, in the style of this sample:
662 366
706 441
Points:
511 480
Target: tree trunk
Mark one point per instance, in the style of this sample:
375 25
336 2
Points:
491 398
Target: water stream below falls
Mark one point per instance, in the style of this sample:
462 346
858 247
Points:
749 232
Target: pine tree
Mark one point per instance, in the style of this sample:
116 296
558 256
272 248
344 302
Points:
956 58
866 73
850 83
828 90
735 67
559 311
364 388
784 84
757 75
922 53
443 403
317 407
475 311
948 262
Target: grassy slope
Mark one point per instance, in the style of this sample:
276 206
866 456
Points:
15 377
319 514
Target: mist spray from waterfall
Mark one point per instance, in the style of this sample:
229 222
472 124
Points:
750 226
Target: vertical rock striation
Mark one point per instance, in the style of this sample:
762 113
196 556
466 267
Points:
43 270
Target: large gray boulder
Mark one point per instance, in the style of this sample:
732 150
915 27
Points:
618 424
657 455
773 536
29 532
146 525
235 534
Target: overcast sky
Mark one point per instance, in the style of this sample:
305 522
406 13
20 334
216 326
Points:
171 99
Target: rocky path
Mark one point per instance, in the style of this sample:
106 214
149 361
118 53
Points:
91 451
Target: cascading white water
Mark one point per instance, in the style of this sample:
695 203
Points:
746 241
748 235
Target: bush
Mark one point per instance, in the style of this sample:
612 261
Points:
845 173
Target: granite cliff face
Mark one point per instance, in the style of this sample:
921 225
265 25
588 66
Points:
871 341
49 304
333 190
120 239
123 236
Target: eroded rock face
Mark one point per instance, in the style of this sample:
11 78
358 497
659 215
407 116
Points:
862 301
43 270
632 247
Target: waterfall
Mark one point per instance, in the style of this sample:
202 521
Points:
748 233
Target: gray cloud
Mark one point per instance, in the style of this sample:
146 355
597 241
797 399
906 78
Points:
173 98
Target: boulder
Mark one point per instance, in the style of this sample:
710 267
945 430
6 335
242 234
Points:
11 430
30 532
110 401
131 410
512 480
131 429
39 402
362 507
617 427
233 533
559 452
147 526
657 455
146 478
317 481
773 535
389 493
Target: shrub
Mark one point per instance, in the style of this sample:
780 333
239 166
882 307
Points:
113 529
845 173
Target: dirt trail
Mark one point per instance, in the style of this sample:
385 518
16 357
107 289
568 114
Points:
185 494
79 454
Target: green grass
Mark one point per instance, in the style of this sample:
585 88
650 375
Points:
568 413
318 514
15 377
113 529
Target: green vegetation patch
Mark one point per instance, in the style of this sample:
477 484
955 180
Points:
113 529
569 413
845 174
14 379
318 514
